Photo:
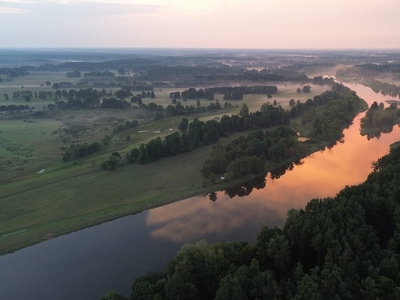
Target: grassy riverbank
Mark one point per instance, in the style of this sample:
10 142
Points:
74 196
43 197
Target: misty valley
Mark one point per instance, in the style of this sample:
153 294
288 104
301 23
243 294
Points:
199 174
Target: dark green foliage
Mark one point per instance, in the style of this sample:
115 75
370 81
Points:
329 113
379 119
14 107
78 151
345 247
126 125
209 132
74 74
247 155
113 296
114 103
112 163
122 94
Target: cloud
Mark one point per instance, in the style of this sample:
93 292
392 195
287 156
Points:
17 2
12 10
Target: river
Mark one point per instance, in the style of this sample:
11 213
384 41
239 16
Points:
88 263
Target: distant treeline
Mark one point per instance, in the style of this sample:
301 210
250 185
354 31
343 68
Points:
14 72
368 73
230 93
13 107
99 74
345 247
74 74
123 82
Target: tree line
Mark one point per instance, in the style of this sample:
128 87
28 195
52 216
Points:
199 133
13 107
80 150
229 92
345 247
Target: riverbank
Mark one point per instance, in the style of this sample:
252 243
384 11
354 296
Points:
72 196
87 196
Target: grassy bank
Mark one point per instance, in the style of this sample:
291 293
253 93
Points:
65 197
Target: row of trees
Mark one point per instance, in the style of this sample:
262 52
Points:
346 247
13 107
229 92
77 151
199 133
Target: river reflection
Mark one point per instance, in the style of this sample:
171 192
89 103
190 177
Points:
266 200
88 263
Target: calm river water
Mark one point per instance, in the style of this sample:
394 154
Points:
88 263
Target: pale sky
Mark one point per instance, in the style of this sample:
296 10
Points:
265 24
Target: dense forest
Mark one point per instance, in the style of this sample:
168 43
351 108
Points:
344 247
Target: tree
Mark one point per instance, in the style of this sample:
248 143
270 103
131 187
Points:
6 97
213 178
113 296
298 90
306 89
244 111
183 126
292 102
152 95
121 71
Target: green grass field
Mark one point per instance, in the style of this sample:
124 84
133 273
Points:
41 196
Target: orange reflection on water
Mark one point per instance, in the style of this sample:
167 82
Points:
323 174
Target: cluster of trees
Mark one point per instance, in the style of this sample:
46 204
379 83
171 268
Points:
229 92
346 247
248 154
369 72
192 93
199 133
126 125
114 103
14 72
319 80
74 74
13 107
329 113
384 88
380 119
78 151
305 89
28 95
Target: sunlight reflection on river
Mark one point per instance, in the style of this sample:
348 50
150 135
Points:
322 174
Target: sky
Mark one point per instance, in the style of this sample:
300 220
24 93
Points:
258 24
